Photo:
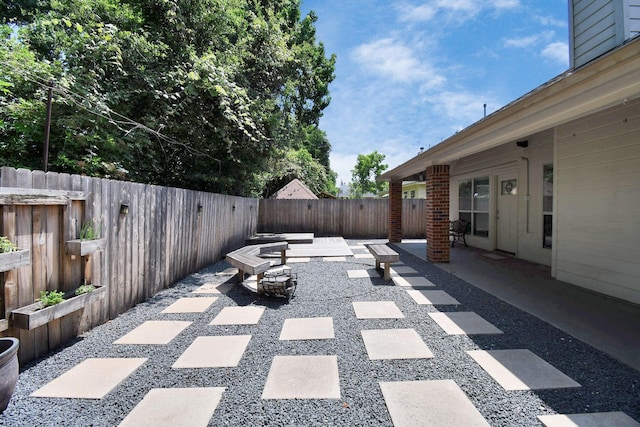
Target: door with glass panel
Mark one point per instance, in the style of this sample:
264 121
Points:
507 213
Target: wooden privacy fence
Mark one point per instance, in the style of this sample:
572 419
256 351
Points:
367 218
154 236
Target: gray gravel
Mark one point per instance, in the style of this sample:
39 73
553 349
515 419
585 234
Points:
324 290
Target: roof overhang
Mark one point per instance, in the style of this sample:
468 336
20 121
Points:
609 80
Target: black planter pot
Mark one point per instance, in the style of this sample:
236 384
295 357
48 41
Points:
8 369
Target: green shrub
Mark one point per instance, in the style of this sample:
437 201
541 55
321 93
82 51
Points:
7 245
49 298
85 289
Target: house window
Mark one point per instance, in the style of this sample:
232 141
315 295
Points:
413 194
473 205
547 205
405 195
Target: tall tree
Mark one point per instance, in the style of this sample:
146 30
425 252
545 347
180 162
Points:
364 174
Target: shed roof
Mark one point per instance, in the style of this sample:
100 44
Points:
295 190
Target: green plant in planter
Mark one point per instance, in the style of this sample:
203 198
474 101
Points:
7 245
49 298
85 289
90 230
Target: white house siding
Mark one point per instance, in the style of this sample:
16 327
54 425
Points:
505 159
633 18
597 194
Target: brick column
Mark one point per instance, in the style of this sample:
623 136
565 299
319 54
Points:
437 206
395 211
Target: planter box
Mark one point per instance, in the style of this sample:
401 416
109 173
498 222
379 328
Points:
31 316
85 247
11 260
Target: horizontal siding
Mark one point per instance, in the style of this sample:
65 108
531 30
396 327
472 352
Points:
594 29
598 182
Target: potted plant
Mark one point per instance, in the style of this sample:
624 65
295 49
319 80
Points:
10 256
89 241
8 369
54 304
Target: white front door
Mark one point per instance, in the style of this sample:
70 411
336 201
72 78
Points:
507 213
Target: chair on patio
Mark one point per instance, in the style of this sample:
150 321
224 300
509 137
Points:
457 230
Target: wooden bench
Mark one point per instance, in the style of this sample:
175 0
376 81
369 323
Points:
457 230
384 254
247 259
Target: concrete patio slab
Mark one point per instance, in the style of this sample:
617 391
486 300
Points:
432 297
321 247
176 407
464 323
521 370
429 403
412 281
154 332
312 328
213 288
595 419
362 274
377 310
190 305
214 352
383 344
363 256
334 259
90 379
298 260
248 315
303 377
402 269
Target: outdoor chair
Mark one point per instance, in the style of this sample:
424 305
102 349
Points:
457 230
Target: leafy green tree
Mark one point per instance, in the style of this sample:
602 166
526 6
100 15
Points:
365 172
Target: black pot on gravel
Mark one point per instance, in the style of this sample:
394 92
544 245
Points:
8 369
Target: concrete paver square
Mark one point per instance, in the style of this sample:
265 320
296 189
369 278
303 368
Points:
154 332
298 259
429 403
362 274
303 377
412 281
214 352
402 269
334 259
312 328
595 419
90 379
377 310
521 370
363 256
432 297
190 305
176 407
212 288
248 315
464 323
382 344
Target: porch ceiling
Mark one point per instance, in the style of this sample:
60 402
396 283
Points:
612 79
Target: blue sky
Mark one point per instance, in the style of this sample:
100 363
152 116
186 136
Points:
411 73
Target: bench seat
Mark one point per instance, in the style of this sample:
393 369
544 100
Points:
247 259
384 254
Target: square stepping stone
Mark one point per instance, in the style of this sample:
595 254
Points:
312 328
298 259
363 256
91 379
464 323
214 352
384 344
362 274
595 419
432 297
154 332
430 403
190 305
303 377
521 370
412 281
249 315
402 269
176 407
377 310
213 288
334 259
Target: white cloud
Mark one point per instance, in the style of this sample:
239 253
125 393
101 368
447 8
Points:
462 108
395 61
453 10
557 52
522 41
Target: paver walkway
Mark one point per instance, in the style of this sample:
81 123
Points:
317 376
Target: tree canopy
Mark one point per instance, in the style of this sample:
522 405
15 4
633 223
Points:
215 95
364 174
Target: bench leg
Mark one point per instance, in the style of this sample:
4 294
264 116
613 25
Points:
240 276
387 271
377 264
283 257
259 288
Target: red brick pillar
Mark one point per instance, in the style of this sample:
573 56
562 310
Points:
438 213
395 211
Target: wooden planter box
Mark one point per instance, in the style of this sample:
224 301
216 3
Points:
84 247
31 316
11 260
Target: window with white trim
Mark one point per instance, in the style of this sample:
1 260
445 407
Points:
473 205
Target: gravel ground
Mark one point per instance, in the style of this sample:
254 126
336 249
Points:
324 290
